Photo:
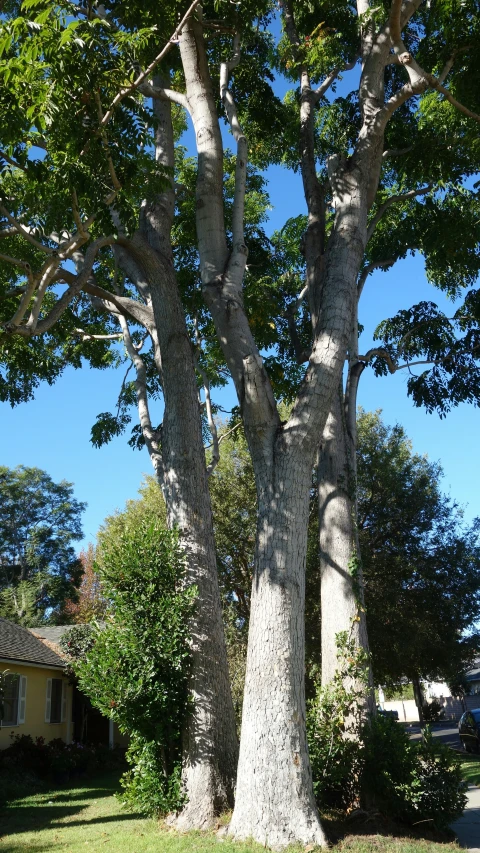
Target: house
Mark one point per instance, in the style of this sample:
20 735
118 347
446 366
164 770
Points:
38 698
472 677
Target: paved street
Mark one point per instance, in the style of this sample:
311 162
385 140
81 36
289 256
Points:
446 732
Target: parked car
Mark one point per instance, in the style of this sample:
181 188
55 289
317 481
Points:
382 713
469 730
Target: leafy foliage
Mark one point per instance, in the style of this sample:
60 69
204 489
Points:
91 603
374 760
334 724
137 670
39 521
412 782
421 564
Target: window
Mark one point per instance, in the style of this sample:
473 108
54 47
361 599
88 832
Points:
14 690
56 701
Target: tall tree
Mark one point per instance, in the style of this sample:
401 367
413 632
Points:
104 198
39 523
401 81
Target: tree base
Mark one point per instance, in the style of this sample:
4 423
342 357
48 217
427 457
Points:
278 834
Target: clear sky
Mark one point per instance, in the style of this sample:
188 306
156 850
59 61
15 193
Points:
52 432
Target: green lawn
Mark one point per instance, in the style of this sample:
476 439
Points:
89 819
471 769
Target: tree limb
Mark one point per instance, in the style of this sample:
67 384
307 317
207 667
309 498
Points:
392 200
150 91
375 265
320 91
4 156
148 432
25 232
123 93
239 251
86 336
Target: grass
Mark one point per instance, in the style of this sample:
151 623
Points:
89 819
471 769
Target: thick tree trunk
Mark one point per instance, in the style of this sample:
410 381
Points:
210 740
342 595
274 801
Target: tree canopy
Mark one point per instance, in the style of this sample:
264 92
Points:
421 561
39 523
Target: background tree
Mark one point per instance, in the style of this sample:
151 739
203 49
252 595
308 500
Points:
39 522
421 563
91 603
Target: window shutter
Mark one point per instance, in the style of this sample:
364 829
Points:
22 699
48 703
64 702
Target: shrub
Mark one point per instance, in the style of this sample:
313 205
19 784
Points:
137 670
374 760
433 711
27 763
413 782
333 729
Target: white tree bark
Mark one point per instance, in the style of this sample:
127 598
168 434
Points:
342 593
274 800
210 741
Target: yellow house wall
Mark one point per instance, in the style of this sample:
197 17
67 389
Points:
35 724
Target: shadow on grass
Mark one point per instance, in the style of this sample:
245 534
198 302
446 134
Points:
35 811
338 828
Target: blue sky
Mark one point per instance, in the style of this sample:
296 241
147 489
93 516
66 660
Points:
52 432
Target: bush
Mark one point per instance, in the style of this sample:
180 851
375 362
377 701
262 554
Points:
433 711
27 763
374 761
409 781
137 670
333 729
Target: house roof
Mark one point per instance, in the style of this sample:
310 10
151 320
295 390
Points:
474 673
52 633
21 645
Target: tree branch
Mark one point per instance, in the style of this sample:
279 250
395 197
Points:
123 93
375 265
148 432
396 152
86 336
239 251
325 86
392 200
12 162
150 91
24 232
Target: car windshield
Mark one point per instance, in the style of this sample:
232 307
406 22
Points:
476 715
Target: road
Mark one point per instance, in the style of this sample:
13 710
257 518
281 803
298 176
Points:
446 732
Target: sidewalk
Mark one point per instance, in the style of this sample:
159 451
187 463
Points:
467 828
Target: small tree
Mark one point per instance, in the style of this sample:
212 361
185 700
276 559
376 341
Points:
91 603
138 668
